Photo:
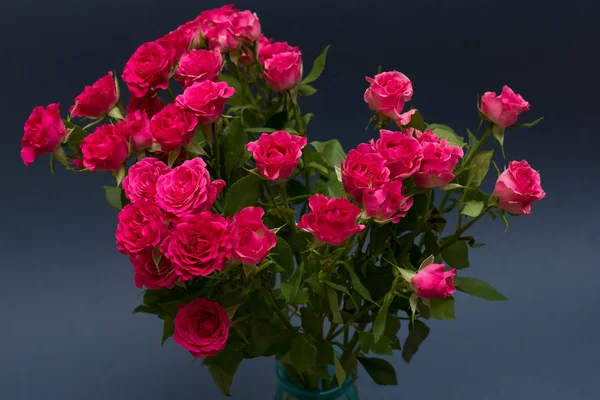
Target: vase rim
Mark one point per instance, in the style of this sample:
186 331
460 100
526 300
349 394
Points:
305 394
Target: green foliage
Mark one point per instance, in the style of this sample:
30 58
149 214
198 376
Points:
442 308
234 140
331 151
113 197
445 132
381 371
480 164
317 68
244 193
476 287
457 254
418 332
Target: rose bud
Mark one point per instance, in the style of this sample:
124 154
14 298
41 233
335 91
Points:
147 69
44 131
439 160
363 169
251 240
277 154
432 282
104 150
97 100
387 93
503 110
206 100
283 71
518 187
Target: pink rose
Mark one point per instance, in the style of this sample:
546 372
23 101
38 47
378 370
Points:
331 220
503 110
402 153
202 327
283 71
251 240
387 203
439 160
198 244
198 66
141 227
247 58
149 104
172 127
363 169
277 154
216 28
267 49
140 182
96 100
148 68
518 187
146 273
245 26
177 42
387 94
217 16
44 131
206 100
137 128
104 150
187 189
432 282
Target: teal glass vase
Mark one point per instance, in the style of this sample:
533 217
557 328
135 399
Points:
287 390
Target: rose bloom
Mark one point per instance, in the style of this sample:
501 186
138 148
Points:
173 127
44 131
387 93
277 154
245 26
141 227
177 42
503 110
215 25
136 127
267 49
148 68
187 189
150 104
402 153
140 182
363 169
251 240
96 100
247 58
518 187
202 327
439 160
283 71
331 220
432 282
198 244
104 150
387 203
205 99
146 273
198 66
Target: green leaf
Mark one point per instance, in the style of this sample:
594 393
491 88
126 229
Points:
480 166
381 371
173 156
330 187
331 151
168 328
476 287
445 132
299 297
307 118
306 90
368 344
113 197
231 81
277 121
526 124
334 305
283 256
311 322
262 335
340 374
303 353
142 308
337 287
234 140
442 308
260 130
223 366
499 136
417 122
358 285
472 208
457 255
75 133
379 323
317 68
243 193
417 333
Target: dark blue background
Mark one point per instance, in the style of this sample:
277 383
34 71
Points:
67 331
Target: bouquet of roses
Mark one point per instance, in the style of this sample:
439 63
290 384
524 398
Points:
252 241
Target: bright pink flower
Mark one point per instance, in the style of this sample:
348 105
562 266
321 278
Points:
202 327
432 282
363 169
387 203
277 154
518 187
149 104
198 66
267 48
205 99
44 131
245 26
141 179
503 110
331 220
388 93
198 244
251 240
439 160
137 128
96 100
147 69
187 189
216 28
173 127
104 150
283 71
247 58
148 274
141 227
177 42
402 153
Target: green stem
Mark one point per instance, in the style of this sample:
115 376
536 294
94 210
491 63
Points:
170 93
284 198
93 123
284 318
475 149
460 230
299 119
354 317
444 201
423 220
